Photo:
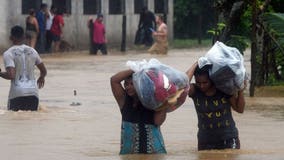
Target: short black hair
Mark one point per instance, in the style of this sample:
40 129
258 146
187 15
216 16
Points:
144 8
202 71
17 32
31 11
161 17
100 15
43 5
60 11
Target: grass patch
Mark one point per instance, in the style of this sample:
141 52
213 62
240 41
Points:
190 43
270 91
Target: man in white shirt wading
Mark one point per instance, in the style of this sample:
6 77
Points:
20 61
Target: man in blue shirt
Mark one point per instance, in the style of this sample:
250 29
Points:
41 18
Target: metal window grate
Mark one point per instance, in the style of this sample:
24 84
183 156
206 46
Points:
64 5
92 6
116 6
138 5
30 4
161 6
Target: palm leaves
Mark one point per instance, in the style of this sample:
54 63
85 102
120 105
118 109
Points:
274 23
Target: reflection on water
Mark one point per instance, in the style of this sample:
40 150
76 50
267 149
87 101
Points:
272 111
92 130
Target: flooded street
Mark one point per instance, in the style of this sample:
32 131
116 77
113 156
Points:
91 129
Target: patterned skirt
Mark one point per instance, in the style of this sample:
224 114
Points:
141 138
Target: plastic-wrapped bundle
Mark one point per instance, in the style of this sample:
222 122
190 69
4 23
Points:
228 71
159 86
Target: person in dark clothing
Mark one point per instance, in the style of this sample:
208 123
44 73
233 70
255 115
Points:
216 126
140 128
41 18
49 21
32 29
147 22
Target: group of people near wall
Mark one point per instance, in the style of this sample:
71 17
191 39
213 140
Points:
44 27
152 32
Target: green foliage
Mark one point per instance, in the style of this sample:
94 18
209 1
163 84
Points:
244 27
217 31
274 24
239 42
186 13
272 81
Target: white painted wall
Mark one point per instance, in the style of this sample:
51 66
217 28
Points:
75 29
4 34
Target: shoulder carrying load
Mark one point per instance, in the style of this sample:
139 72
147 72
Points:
159 86
228 71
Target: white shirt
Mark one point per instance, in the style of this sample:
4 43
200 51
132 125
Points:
23 58
49 21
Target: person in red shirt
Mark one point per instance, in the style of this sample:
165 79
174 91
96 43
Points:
98 36
56 29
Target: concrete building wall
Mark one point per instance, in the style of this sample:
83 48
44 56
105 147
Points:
75 29
3 25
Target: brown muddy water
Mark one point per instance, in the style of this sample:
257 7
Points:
91 130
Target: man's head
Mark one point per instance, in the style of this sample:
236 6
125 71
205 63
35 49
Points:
16 34
53 9
159 19
43 7
59 11
100 17
144 9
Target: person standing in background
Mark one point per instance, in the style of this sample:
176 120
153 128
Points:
57 29
20 61
99 39
32 28
49 20
147 22
41 18
161 37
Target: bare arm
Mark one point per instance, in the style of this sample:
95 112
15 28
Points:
238 102
116 86
190 73
43 72
160 117
163 32
9 74
36 25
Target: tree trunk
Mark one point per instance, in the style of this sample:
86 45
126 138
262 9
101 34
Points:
199 28
232 20
264 66
253 49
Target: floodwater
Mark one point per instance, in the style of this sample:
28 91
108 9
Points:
87 126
